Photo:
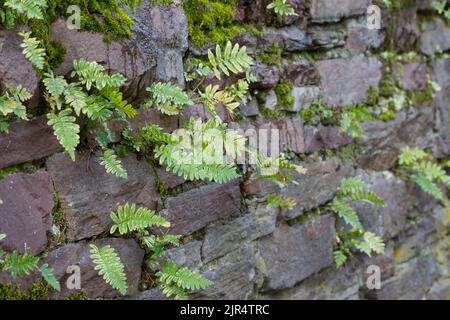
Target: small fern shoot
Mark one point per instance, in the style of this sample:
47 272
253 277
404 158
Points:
231 59
32 50
282 8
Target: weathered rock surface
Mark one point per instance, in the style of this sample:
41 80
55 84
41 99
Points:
319 185
194 209
335 10
88 194
390 220
346 81
27 141
435 38
292 254
233 275
221 239
78 255
26 203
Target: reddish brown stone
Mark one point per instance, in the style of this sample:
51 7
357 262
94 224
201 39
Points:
26 203
193 210
27 141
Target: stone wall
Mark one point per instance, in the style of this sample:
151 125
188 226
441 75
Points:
56 207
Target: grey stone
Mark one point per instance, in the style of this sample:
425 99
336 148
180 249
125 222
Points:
88 194
26 203
77 254
384 141
335 10
346 81
267 77
194 209
234 276
304 96
221 239
435 38
319 185
250 108
294 253
270 100
187 255
411 281
27 141
390 220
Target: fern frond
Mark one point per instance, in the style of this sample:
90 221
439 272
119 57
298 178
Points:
410 156
91 74
129 218
347 213
170 158
19 265
277 201
351 186
172 274
2 236
32 9
76 98
168 92
109 266
366 196
116 98
430 170
339 258
233 60
112 164
282 8
155 134
173 290
371 243
66 130
48 275
4 125
213 96
32 50
429 187
55 85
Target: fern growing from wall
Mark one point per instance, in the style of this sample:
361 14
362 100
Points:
425 172
22 265
11 10
174 280
282 8
351 190
95 95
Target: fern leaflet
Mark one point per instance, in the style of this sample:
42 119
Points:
112 164
129 218
109 266
66 130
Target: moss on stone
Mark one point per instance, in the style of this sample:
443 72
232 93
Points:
7 171
272 55
36 291
212 21
285 99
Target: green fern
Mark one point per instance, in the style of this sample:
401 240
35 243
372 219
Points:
32 50
129 219
112 164
282 8
12 102
277 201
347 213
429 187
20 265
231 59
156 245
48 275
168 98
174 278
92 74
410 156
76 98
109 266
66 130
339 258
426 173
32 9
